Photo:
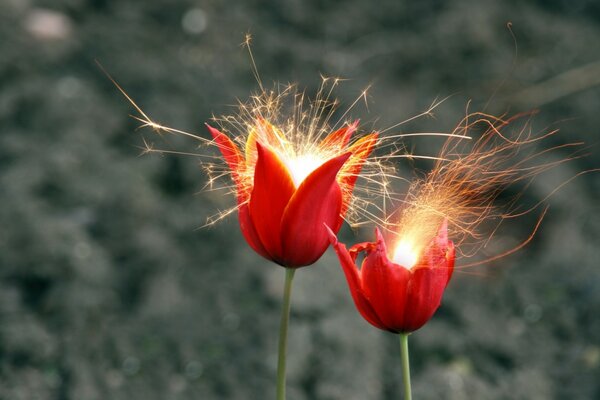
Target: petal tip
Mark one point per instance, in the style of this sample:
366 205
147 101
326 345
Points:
442 236
380 244
379 235
345 157
213 131
332 236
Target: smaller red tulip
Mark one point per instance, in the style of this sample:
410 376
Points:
394 295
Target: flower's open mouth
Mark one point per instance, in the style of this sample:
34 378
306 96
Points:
405 254
301 166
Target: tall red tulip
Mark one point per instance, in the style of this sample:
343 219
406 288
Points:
394 297
284 198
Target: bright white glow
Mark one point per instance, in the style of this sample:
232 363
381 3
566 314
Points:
405 254
300 167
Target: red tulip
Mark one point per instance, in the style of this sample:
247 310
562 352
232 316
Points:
285 198
393 297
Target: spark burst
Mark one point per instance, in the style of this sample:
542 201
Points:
466 182
294 126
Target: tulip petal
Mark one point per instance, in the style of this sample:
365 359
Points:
250 150
385 285
424 296
358 248
233 158
273 188
228 149
339 139
265 133
270 134
247 228
440 253
360 151
441 239
429 280
448 245
317 201
353 279
450 257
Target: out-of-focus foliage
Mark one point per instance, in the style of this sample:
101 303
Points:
109 291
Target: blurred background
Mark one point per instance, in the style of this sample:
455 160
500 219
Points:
109 289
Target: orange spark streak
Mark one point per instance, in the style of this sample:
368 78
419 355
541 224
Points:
467 179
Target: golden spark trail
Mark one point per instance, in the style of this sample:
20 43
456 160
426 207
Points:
466 181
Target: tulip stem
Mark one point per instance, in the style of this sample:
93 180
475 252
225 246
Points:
405 365
283 329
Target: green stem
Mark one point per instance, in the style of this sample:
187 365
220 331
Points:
283 329
405 365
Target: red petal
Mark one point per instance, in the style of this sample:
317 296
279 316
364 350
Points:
250 150
360 247
440 253
423 296
269 134
353 279
450 261
385 285
233 158
265 133
441 239
247 228
318 200
446 247
429 280
360 151
271 193
340 138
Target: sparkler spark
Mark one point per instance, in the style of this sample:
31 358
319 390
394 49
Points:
466 181
294 126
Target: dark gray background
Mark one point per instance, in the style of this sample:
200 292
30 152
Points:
109 291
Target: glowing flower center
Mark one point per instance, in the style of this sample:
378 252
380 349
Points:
405 254
301 166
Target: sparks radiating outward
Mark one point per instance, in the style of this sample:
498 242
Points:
464 185
302 133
